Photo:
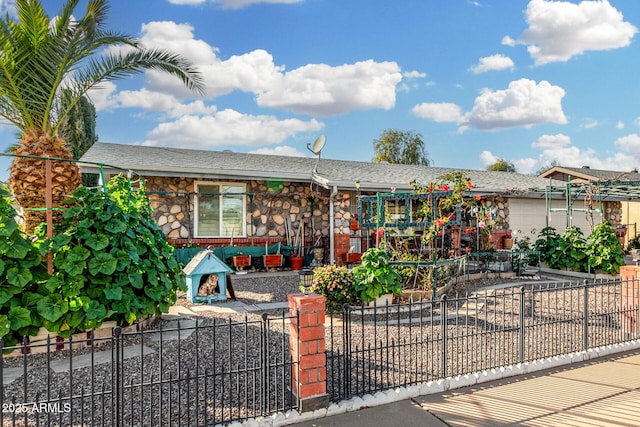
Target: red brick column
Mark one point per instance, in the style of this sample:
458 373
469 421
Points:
307 346
630 277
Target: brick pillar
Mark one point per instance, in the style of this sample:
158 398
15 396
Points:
630 277
307 346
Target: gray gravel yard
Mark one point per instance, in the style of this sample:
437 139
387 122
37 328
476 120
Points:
212 372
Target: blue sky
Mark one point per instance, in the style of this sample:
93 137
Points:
528 81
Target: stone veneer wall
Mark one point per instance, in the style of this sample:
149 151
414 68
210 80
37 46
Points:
613 212
502 212
266 212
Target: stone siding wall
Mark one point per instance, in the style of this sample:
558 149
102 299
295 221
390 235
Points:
268 212
613 212
502 211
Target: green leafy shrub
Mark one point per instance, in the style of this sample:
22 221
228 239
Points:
605 251
601 250
336 284
572 252
22 275
375 277
547 244
111 262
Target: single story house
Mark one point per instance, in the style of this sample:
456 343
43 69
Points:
225 198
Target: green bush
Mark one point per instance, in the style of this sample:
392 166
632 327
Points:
547 244
601 250
605 251
111 262
572 252
336 285
22 275
375 277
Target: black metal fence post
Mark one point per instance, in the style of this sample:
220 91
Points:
445 324
264 365
521 328
117 380
346 350
585 325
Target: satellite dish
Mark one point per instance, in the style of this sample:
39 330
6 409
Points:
318 145
316 148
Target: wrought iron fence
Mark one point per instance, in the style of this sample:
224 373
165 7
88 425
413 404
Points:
423 275
372 349
205 371
199 372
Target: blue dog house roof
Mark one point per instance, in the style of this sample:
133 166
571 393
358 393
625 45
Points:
205 262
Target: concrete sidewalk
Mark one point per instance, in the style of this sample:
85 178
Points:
600 392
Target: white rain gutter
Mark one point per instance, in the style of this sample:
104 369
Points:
332 259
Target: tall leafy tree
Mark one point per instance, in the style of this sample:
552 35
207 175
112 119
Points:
78 129
403 147
39 57
502 165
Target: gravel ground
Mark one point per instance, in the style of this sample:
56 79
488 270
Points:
213 374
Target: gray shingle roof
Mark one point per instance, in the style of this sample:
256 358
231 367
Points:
160 161
600 174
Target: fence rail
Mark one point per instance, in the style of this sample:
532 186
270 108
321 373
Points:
372 349
194 373
209 371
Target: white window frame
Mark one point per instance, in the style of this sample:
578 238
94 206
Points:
242 193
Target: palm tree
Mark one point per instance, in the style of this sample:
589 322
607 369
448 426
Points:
41 57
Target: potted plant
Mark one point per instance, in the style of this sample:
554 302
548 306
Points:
507 241
375 277
354 224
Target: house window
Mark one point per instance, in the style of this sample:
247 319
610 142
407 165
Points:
220 210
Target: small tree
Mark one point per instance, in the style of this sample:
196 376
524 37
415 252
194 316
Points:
502 165
400 147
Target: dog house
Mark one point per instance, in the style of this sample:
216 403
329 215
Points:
207 278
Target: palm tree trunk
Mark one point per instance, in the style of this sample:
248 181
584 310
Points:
28 177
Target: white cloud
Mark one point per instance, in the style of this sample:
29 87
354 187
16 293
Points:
315 89
232 4
250 72
282 150
322 90
162 103
439 112
414 75
637 121
559 30
487 158
187 2
551 142
493 63
590 123
629 144
227 127
524 103
103 96
558 148
620 125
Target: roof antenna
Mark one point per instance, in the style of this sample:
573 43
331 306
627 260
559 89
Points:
316 149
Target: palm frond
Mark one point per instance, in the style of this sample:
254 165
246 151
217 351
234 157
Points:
38 57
